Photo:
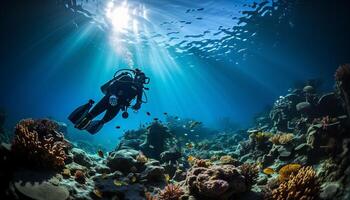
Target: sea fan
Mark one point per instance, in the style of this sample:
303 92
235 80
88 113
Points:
171 192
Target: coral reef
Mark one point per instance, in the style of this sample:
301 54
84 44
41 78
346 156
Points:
179 160
302 185
39 142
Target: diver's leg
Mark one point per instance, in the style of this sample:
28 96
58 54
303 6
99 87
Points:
111 112
100 107
96 125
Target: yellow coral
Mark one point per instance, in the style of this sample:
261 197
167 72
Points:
227 160
141 158
286 171
303 185
281 139
261 136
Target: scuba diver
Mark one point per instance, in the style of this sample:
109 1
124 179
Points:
126 85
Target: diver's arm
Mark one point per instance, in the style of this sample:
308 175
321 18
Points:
138 99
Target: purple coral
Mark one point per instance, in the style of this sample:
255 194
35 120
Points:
215 181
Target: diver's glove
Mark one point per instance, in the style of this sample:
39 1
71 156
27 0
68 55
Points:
137 106
113 100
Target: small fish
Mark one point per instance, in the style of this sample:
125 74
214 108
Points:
117 127
194 124
100 153
148 113
167 177
151 146
165 113
155 119
269 171
119 183
191 159
185 134
98 193
189 145
133 179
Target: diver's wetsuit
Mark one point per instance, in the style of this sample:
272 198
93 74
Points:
125 92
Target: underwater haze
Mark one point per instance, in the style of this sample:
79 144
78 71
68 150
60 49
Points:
207 60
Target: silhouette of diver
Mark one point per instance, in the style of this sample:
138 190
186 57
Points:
126 85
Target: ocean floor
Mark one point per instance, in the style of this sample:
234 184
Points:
299 149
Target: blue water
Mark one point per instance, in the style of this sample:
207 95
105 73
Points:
206 59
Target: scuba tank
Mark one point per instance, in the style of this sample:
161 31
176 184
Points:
80 112
123 77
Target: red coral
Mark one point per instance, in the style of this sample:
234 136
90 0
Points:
171 192
38 143
80 177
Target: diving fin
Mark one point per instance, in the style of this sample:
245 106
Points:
95 126
79 113
83 123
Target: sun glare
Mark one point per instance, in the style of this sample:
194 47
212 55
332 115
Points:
118 16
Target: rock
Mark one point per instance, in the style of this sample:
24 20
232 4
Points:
329 190
245 157
302 149
74 167
303 107
285 153
102 169
167 156
308 89
42 191
153 173
330 105
109 190
122 160
179 175
80 157
262 180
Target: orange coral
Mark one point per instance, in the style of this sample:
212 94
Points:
281 139
171 192
286 171
39 143
304 186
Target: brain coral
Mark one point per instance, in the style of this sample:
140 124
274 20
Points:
38 143
301 186
216 181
